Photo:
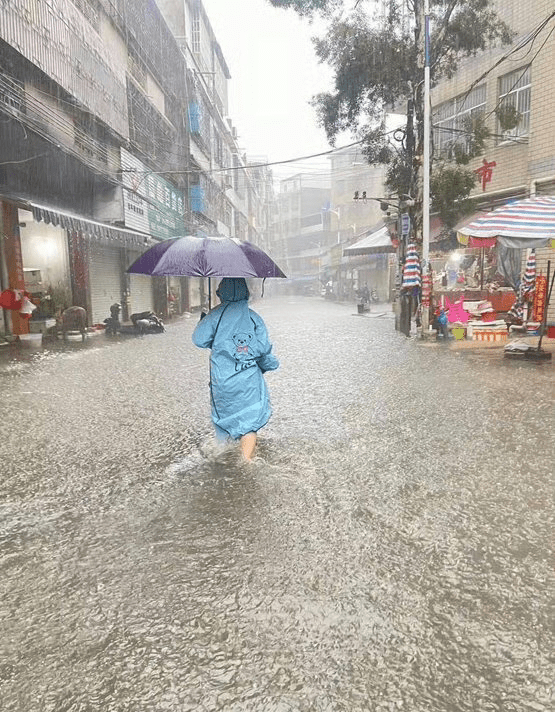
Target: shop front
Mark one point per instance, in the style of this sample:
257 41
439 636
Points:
370 259
80 262
495 282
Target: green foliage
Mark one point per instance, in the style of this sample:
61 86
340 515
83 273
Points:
59 297
450 186
472 142
308 7
508 116
378 65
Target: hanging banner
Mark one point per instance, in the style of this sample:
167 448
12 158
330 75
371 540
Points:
540 298
426 289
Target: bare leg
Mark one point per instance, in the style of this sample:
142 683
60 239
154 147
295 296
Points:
248 443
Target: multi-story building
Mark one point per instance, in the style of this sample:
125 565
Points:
512 88
224 193
302 233
114 134
92 95
356 188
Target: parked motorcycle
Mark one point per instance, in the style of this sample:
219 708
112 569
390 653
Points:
147 323
142 323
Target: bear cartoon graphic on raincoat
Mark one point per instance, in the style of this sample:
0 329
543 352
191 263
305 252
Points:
241 353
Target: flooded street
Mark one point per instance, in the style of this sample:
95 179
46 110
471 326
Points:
390 549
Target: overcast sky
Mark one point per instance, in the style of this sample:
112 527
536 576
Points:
274 74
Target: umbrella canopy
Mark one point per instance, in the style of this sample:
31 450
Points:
191 256
519 224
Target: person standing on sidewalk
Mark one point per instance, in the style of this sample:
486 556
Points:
240 354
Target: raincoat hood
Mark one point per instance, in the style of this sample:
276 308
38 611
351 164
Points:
233 289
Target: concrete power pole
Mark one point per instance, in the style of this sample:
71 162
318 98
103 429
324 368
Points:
423 34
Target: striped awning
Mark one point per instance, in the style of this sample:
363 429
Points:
89 228
521 223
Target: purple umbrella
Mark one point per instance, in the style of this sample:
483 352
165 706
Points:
191 256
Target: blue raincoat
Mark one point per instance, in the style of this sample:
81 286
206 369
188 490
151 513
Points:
241 353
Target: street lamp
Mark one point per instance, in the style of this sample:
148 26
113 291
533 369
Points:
338 213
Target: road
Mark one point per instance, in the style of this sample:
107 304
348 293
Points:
390 548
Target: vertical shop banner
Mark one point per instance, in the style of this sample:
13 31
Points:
426 290
150 204
540 298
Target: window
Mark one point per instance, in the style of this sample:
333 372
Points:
196 195
91 9
451 121
195 31
137 69
514 99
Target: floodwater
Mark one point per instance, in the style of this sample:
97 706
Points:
390 549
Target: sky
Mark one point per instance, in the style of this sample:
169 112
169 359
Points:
274 75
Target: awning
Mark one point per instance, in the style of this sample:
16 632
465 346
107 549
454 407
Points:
375 242
90 228
519 224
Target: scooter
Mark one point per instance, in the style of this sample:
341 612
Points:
142 323
147 323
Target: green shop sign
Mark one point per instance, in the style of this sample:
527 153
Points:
150 204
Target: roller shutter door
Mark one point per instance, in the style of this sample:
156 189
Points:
105 282
140 290
140 299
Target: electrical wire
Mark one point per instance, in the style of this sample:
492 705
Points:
530 37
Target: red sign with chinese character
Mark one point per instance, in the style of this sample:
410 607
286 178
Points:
540 298
485 172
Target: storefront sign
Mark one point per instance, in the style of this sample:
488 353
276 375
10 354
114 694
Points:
150 204
540 298
405 224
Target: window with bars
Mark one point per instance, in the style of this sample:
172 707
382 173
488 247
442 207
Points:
514 103
452 118
195 31
12 96
91 10
137 69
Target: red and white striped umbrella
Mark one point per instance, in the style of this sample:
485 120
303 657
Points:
528 284
411 269
517 222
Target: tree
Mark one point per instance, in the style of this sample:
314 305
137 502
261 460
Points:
378 60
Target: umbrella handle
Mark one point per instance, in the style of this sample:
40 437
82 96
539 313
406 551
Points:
209 295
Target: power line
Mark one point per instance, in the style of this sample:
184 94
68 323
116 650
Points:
530 37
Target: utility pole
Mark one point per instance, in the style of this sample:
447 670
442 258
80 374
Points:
426 164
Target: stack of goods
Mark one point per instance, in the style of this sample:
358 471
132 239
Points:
411 270
484 325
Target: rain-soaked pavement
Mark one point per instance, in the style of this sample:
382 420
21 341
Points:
391 549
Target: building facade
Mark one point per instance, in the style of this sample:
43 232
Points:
512 89
114 135
302 231
356 189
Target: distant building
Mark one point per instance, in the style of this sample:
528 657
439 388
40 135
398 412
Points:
356 188
302 233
